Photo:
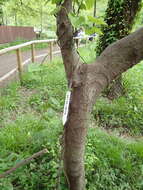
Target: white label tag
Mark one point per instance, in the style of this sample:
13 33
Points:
66 107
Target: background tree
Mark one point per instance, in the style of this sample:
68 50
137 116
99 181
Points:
2 2
30 13
1 15
120 17
94 11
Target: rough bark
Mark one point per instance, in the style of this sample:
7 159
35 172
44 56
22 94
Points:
120 17
87 82
75 128
70 56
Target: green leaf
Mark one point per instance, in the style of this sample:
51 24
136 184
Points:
97 21
83 6
77 21
89 3
34 67
56 10
93 30
57 1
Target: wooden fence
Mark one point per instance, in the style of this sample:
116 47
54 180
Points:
18 52
11 33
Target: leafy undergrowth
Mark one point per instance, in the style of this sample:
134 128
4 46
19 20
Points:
113 163
126 112
30 120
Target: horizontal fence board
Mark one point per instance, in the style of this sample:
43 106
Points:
18 47
6 50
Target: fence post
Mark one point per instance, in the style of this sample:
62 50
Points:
51 51
33 52
19 63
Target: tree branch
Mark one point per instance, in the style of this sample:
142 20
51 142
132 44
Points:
70 56
115 59
23 162
119 56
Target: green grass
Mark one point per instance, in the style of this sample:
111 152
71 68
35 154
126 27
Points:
88 53
126 112
30 120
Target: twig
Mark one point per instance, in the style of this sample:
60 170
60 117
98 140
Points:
23 162
43 60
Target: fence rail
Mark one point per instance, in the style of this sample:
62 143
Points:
18 51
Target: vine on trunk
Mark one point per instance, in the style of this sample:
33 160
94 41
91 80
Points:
120 17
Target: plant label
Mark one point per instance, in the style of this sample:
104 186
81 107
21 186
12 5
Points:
66 107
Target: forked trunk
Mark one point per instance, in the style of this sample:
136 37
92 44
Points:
87 82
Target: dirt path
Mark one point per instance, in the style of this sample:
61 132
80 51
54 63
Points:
8 62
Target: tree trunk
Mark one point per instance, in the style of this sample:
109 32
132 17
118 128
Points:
87 82
41 19
120 18
94 11
15 18
1 16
